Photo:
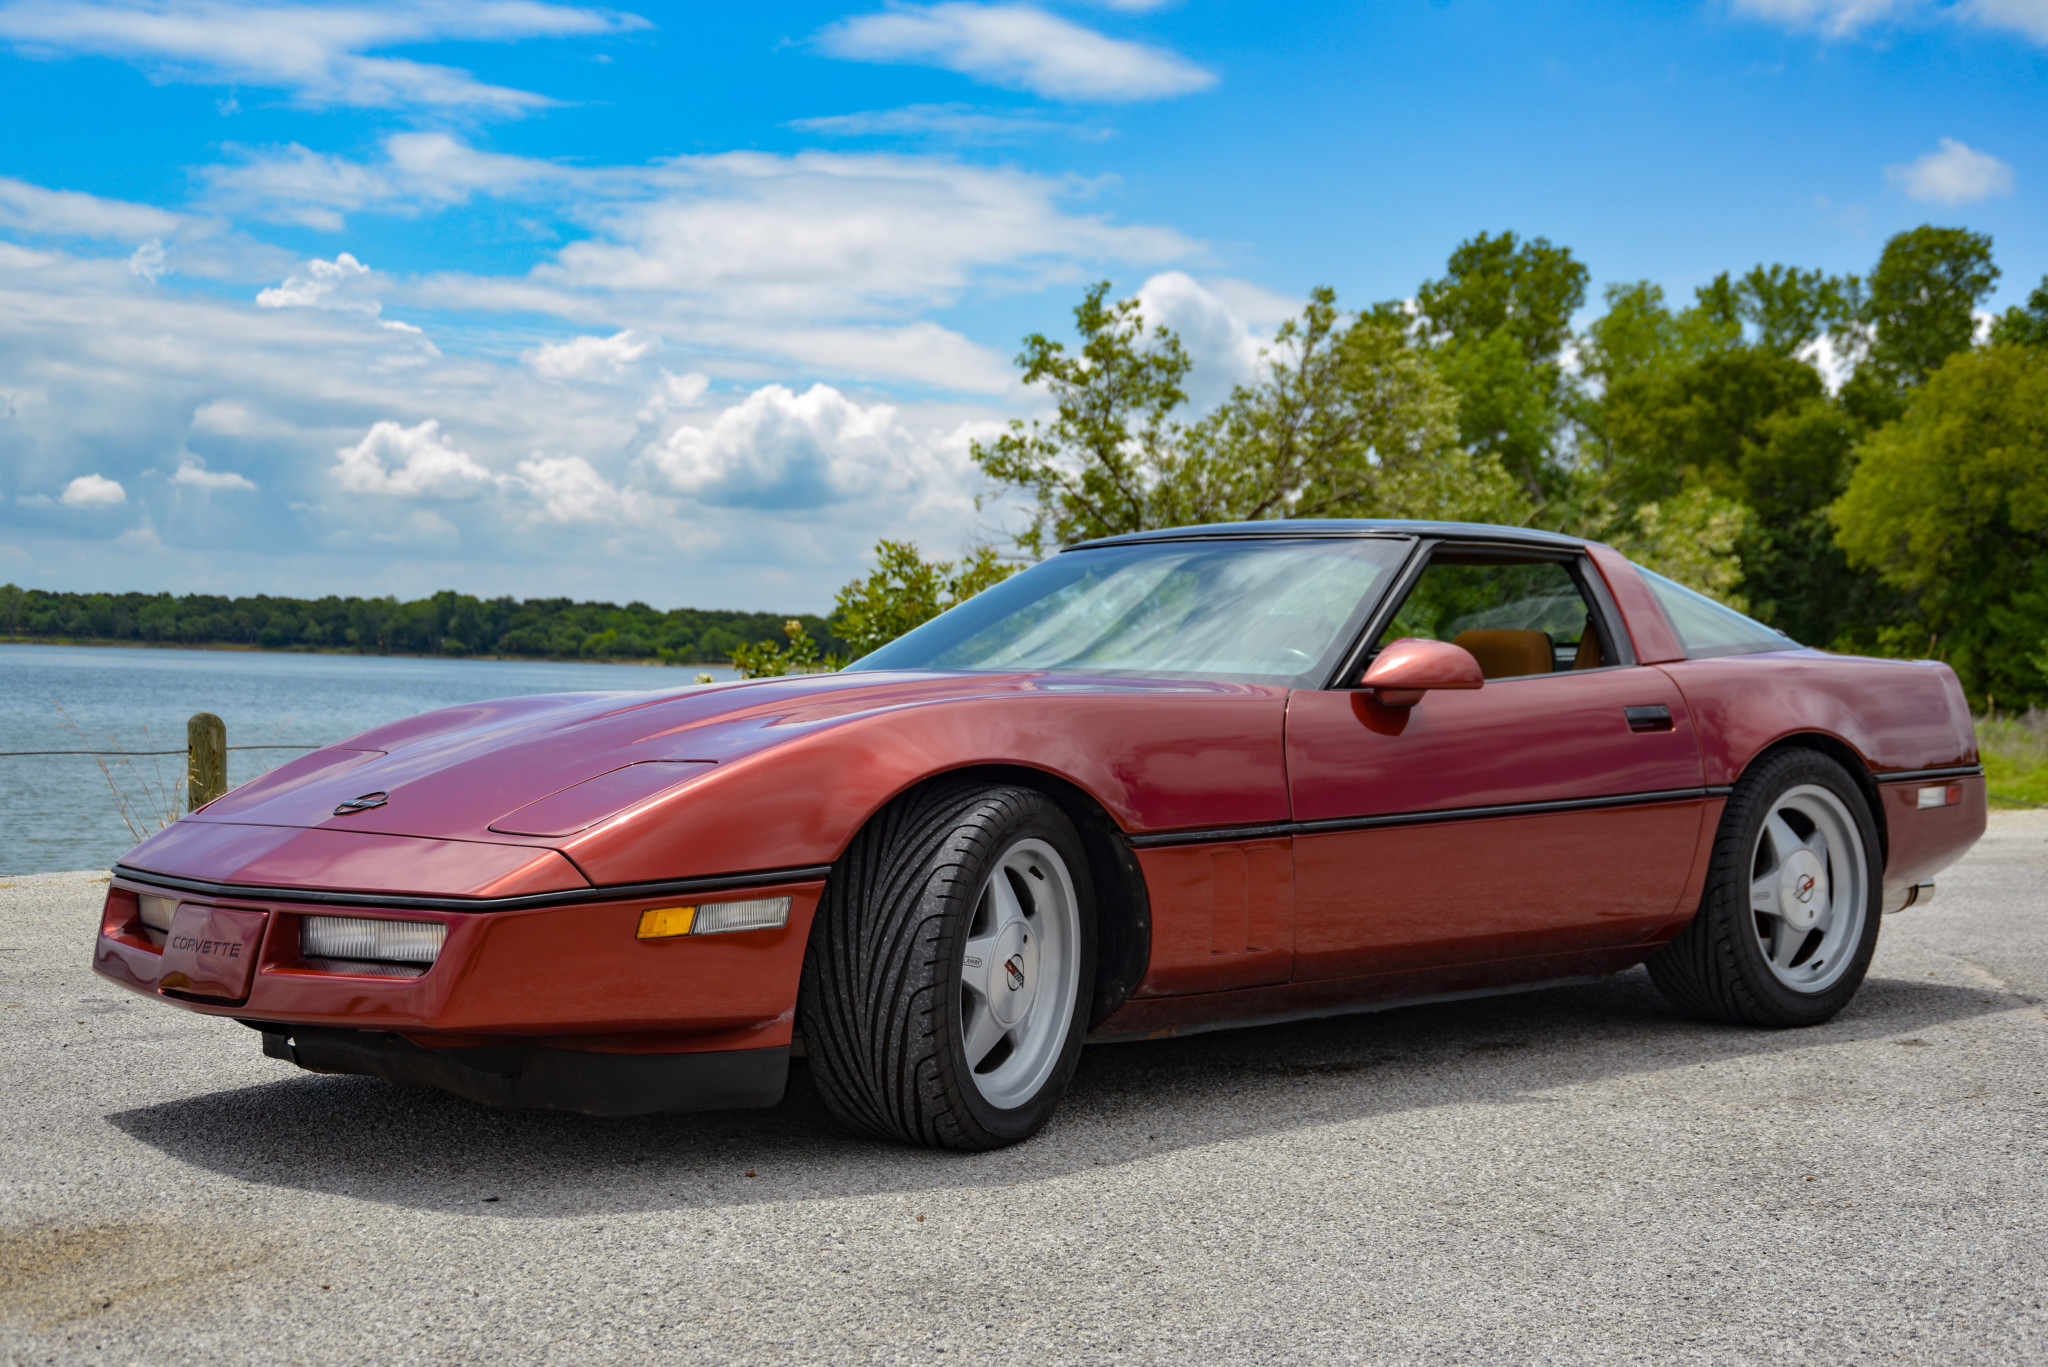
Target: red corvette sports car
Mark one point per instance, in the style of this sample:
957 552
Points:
1162 782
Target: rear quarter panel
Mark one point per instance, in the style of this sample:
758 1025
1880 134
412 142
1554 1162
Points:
1899 717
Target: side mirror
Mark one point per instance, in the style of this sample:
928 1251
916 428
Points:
1409 667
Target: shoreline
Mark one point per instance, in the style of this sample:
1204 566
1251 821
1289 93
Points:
102 643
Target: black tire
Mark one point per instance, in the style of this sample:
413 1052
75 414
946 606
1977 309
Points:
881 1003
1718 967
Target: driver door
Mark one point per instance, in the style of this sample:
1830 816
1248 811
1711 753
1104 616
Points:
1555 809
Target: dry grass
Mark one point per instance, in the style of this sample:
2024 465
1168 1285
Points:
147 802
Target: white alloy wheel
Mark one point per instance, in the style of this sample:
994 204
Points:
1019 972
1809 889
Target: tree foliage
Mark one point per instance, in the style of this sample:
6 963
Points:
906 590
1497 323
2025 324
1109 457
445 623
1919 309
1950 505
1348 419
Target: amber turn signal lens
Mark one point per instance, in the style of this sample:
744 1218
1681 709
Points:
660 923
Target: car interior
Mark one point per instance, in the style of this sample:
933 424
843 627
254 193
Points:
1517 615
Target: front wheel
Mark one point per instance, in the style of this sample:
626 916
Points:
1789 917
946 984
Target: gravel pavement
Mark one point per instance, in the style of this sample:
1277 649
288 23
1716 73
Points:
1576 1175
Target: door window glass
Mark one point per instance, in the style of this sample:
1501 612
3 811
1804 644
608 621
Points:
1517 617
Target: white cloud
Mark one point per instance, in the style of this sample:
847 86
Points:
780 449
1223 349
317 52
147 261
2023 16
1829 16
1953 174
323 285
958 122
227 418
192 471
293 184
70 213
822 233
813 258
409 462
591 358
674 392
1019 46
568 489
1843 18
93 491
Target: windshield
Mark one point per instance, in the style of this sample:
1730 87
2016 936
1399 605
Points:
1237 611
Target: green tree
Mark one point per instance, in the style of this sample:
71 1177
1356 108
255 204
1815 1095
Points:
906 590
1950 505
1099 466
766 659
1349 419
1497 323
1694 421
2025 324
1920 309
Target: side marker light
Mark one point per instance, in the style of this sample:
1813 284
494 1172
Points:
714 918
1949 795
660 923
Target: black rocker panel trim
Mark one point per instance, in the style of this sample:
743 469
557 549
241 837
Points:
614 892
1216 834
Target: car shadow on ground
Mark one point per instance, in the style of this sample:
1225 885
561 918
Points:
421 1149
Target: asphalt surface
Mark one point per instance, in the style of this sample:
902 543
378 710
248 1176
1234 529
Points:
1577 1175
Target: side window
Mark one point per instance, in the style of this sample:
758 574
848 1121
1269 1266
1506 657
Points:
1707 628
1516 616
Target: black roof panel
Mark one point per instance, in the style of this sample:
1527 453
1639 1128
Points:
1340 526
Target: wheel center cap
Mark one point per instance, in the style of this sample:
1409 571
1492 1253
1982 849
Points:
1802 890
1013 978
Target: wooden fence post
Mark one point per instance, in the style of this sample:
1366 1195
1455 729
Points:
206 759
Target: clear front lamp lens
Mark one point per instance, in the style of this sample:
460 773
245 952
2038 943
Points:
372 940
762 913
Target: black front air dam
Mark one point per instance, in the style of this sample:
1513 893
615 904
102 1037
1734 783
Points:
545 1079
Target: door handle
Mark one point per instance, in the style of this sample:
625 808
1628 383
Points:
1655 717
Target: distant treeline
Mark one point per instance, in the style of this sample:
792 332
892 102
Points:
448 623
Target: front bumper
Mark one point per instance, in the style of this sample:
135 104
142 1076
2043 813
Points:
556 1005
538 1078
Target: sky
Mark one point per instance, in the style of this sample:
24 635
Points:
691 304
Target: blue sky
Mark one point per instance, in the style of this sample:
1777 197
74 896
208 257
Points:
691 303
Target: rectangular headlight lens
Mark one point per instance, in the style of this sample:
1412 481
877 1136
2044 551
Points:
371 939
712 918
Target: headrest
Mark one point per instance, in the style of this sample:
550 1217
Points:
1508 653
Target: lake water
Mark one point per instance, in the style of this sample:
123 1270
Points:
60 812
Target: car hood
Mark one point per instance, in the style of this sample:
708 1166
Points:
533 770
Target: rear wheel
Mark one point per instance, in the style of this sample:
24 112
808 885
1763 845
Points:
1789 916
948 974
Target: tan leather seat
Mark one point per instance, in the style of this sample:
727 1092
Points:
1589 650
1508 653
